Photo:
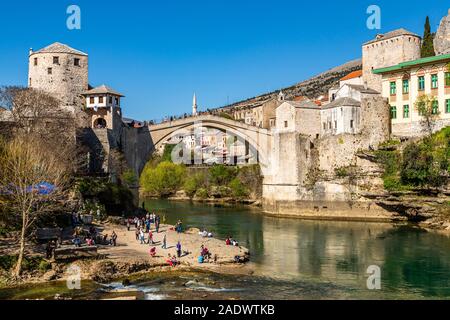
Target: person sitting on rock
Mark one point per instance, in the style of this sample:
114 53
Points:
152 252
174 261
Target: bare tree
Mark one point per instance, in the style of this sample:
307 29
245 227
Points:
38 114
41 150
426 106
33 181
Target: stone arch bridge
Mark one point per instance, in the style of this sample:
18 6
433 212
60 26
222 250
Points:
140 144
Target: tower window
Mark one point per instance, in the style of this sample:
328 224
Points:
76 62
351 124
117 101
55 60
91 100
35 61
110 100
285 124
50 71
100 99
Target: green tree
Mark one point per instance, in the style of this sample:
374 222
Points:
167 154
426 107
163 180
422 166
427 49
193 183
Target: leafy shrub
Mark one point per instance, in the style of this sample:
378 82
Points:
222 175
167 154
193 183
129 177
44 266
7 262
114 198
202 193
163 180
238 189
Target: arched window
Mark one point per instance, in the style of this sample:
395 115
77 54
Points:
100 123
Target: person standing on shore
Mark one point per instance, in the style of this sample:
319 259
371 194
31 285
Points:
113 238
142 236
150 238
164 242
179 249
157 221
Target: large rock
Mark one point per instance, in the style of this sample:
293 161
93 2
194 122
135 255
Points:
442 38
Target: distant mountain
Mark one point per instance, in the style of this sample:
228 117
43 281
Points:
311 88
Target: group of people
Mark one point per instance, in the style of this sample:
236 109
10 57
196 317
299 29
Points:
205 234
92 237
231 242
145 222
205 255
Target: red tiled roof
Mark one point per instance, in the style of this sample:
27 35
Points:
351 75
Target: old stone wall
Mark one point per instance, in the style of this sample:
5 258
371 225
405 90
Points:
137 146
305 180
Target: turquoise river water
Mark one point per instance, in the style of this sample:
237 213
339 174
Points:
291 259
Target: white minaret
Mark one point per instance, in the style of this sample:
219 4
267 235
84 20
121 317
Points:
194 105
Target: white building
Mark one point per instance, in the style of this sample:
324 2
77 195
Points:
403 83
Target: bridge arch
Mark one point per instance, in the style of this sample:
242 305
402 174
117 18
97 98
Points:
258 139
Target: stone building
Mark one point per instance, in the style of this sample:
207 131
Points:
104 108
403 83
61 71
386 50
260 115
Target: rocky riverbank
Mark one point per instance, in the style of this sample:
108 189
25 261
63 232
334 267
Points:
430 209
130 258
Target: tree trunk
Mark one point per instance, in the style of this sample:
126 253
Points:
18 267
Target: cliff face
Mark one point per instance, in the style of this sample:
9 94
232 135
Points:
312 88
442 38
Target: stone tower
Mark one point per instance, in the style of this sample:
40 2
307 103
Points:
61 71
387 50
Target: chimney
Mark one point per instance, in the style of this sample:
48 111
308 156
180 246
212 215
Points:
31 51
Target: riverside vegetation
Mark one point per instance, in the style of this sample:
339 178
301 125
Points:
163 178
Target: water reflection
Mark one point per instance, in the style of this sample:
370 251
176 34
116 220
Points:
414 263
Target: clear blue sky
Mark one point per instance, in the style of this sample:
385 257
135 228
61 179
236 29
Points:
158 53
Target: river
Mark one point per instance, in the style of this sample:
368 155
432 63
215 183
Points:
293 259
